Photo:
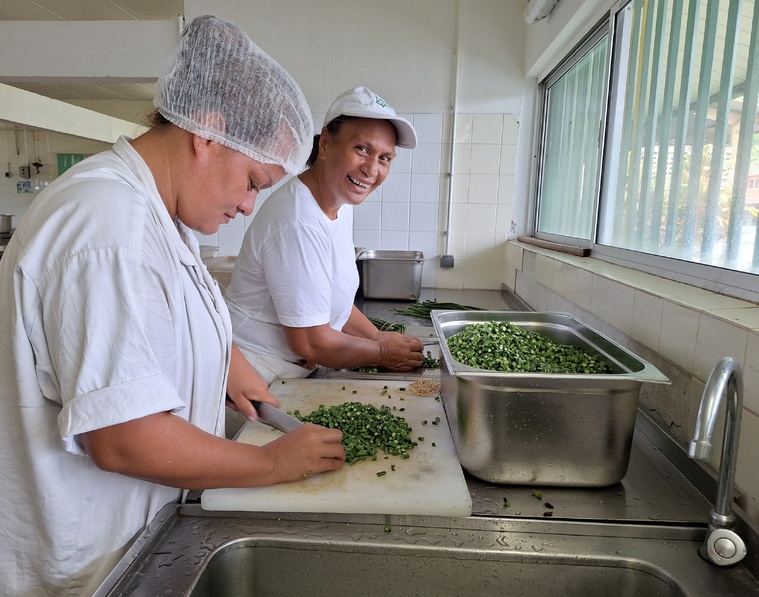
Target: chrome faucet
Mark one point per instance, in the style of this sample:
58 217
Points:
722 545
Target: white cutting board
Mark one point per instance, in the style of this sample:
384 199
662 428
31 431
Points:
429 482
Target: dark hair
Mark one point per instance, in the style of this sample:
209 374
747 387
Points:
333 128
314 152
155 120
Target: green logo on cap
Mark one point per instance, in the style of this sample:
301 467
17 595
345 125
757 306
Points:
380 102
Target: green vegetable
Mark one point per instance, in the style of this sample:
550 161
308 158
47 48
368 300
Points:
424 308
382 473
387 326
503 346
430 362
366 429
388 528
537 493
506 503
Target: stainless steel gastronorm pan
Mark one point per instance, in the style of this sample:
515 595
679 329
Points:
536 428
391 274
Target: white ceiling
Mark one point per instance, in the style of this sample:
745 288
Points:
89 10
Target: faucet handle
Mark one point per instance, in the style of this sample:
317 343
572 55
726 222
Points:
724 547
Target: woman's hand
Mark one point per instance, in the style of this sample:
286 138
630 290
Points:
307 450
244 385
400 352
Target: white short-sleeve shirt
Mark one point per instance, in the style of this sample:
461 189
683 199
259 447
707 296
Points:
108 315
296 268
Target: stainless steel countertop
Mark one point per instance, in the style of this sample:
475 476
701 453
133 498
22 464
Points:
658 505
652 491
485 299
662 484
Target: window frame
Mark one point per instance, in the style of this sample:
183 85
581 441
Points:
589 41
718 279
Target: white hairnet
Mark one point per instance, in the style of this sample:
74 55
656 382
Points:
224 88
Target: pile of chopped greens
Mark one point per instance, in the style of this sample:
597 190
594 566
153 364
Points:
366 429
503 346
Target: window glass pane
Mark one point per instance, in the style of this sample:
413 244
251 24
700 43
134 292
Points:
683 155
571 154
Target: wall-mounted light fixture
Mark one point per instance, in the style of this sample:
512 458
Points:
538 9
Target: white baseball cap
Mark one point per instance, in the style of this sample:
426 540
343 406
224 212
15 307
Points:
364 103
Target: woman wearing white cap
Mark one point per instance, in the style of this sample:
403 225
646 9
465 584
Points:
117 350
292 289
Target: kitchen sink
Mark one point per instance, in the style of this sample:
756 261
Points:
189 552
245 568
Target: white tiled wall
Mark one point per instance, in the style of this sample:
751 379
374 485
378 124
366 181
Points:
681 329
409 211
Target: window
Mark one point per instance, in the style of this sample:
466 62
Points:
574 109
678 174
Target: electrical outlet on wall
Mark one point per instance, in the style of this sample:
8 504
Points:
25 171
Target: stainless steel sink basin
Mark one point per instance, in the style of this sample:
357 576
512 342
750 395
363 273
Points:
187 552
245 568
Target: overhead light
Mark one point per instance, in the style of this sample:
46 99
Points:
538 9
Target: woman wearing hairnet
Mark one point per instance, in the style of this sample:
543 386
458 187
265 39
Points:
116 352
292 289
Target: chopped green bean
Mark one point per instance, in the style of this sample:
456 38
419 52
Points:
503 346
366 429
430 362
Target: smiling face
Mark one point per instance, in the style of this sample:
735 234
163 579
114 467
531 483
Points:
222 184
355 161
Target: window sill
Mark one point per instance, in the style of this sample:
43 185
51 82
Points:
689 326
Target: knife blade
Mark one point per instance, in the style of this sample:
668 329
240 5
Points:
274 417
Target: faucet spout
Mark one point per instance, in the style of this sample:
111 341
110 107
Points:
723 546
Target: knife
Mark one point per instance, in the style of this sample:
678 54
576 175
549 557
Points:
274 417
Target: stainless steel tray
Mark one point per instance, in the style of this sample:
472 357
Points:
560 327
539 428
